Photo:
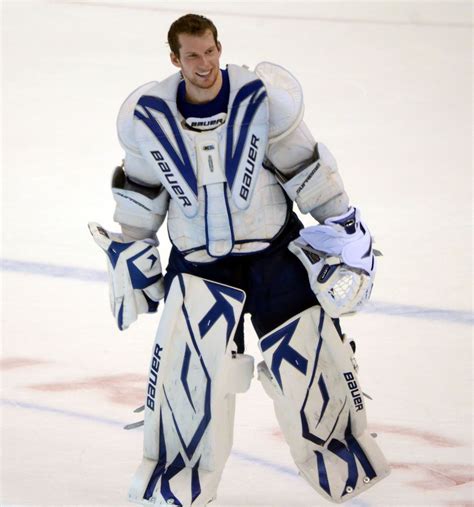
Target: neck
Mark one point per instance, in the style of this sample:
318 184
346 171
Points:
197 95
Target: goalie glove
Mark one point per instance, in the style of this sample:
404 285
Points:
135 278
340 262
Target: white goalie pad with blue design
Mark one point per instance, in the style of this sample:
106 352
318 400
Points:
189 408
310 374
135 277
204 171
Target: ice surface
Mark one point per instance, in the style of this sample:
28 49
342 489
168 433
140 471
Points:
388 87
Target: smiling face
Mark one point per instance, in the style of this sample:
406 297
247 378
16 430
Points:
198 60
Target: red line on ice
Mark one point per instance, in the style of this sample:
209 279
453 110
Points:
124 389
437 475
433 439
11 363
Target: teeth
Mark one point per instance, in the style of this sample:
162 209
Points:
203 74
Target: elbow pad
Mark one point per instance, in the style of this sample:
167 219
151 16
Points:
317 187
138 206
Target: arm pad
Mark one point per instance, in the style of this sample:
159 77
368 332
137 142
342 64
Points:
317 187
140 209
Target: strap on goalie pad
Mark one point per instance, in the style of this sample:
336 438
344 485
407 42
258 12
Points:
310 374
189 409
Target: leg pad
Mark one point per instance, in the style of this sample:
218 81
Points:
310 374
189 411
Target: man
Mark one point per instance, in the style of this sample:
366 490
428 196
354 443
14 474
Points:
224 153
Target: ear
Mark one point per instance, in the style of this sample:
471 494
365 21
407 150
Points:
219 48
175 60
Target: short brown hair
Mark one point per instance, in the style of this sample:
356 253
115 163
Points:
192 24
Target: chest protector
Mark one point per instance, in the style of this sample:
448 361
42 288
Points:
223 163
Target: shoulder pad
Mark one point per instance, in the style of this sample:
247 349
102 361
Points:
240 75
125 130
285 98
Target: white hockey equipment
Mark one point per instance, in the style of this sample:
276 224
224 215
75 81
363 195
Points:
285 97
189 408
138 206
135 277
317 186
340 262
310 374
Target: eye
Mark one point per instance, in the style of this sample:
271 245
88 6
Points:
210 51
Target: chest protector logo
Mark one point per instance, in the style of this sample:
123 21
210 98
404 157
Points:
162 144
246 140
171 150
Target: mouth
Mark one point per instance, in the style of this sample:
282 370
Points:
203 74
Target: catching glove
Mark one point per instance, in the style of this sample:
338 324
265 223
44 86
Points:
340 262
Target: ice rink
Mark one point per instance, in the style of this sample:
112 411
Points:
388 87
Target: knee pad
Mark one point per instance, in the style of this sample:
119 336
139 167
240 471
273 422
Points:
189 409
310 374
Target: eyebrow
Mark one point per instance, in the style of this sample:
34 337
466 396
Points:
188 53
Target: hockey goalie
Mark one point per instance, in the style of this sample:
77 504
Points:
224 155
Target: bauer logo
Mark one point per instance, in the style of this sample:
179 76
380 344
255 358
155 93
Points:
167 172
155 366
133 200
249 167
310 175
202 124
354 389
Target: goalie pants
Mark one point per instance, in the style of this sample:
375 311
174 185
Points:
275 281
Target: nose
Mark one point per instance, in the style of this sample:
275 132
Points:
203 61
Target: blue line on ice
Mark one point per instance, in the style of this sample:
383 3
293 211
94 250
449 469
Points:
420 312
265 463
378 307
112 422
68 413
43 269
356 502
